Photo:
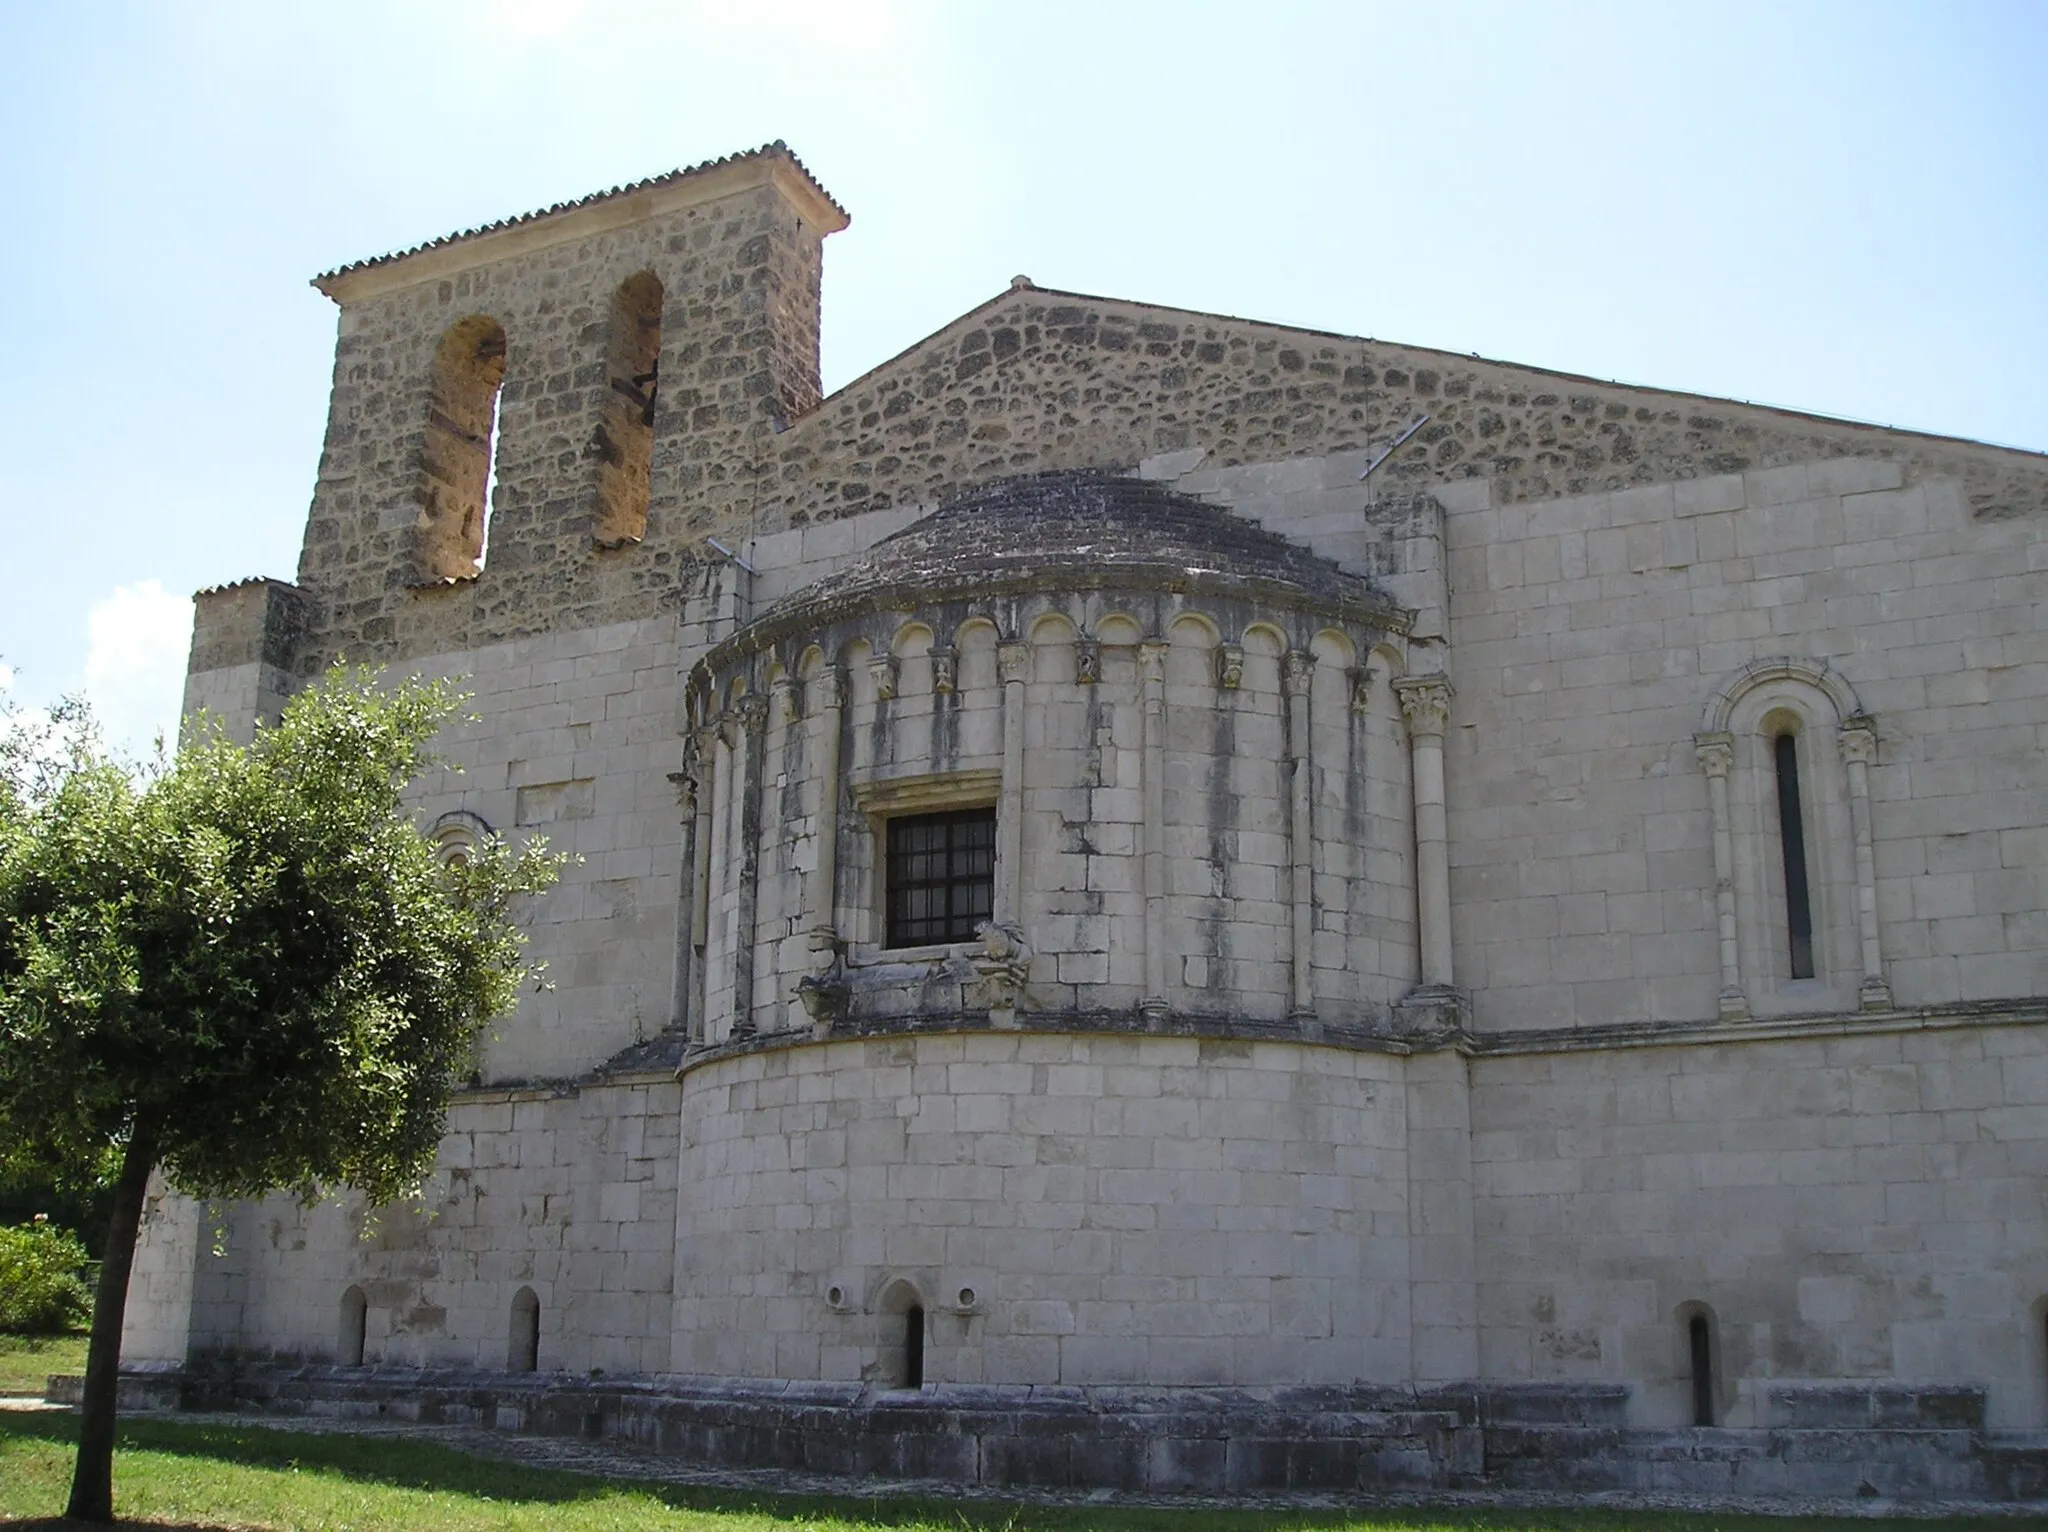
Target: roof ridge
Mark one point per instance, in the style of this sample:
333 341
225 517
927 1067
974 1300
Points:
776 149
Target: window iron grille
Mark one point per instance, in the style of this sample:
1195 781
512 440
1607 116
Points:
941 876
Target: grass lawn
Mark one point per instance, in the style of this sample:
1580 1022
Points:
26 1360
184 1473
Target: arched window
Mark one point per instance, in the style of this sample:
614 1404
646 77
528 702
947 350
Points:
457 835
459 456
353 1326
1788 752
522 1351
623 442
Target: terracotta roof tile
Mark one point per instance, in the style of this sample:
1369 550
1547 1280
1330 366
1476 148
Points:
778 149
221 590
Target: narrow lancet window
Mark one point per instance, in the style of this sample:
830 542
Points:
1792 846
913 1347
1700 1342
459 455
623 442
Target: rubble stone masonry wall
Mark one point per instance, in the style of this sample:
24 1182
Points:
1032 381
738 357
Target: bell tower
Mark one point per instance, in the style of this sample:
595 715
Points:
533 422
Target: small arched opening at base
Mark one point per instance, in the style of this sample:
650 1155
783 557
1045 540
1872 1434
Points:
1702 1363
913 1347
522 1352
902 1339
353 1327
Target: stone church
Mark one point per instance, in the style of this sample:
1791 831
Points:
1170 901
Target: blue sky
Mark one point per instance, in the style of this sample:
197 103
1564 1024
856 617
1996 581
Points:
1835 207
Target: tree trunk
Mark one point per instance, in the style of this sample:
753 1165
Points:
92 1480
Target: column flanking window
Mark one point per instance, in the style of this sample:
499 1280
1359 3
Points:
940 876
1792 856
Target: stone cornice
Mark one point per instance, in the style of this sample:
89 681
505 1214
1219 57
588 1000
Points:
2030 1011
2027 1011
804 619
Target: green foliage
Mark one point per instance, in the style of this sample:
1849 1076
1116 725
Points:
249 952
40 1290
27 1361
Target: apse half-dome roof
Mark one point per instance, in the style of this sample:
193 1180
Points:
1080 530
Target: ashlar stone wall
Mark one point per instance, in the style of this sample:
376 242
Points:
1860 1204
1066 1209
568 1195
1588 639
572 738
1226 924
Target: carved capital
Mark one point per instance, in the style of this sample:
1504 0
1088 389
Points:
685 784
789 698
1858 739
1152 659
1297 671
1361 688
702 749
828 686
945 670
1230 666
1087 661
752 710
882 671
1716 753
702 761
1425 704
1013 662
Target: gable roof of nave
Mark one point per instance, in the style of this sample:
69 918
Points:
1036 380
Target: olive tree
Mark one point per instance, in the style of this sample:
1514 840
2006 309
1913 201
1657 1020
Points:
245 967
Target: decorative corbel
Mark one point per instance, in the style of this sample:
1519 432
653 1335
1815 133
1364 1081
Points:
883 670
1230 666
